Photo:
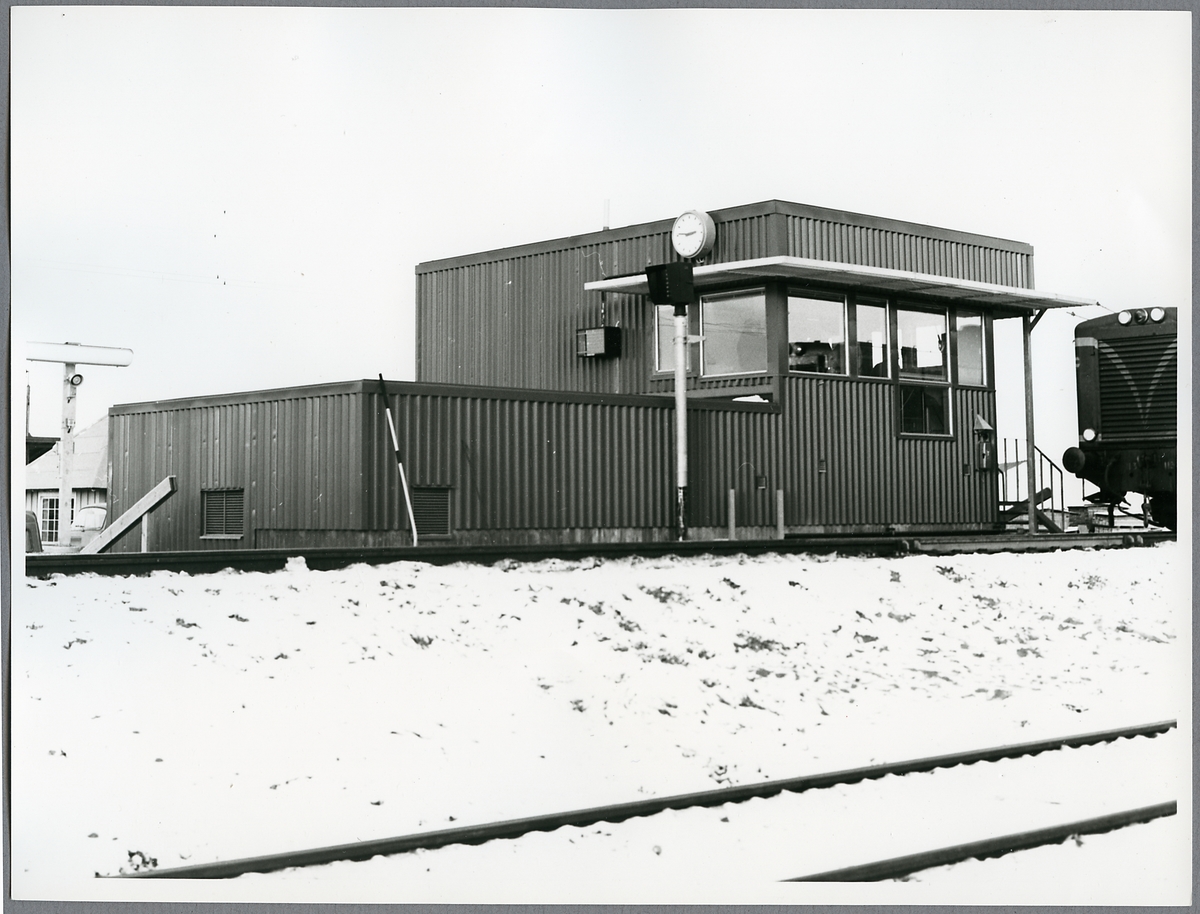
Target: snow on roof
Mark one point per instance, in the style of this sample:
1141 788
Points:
90 469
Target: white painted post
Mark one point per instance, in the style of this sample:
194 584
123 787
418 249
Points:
732 514
1031 480
66 455
779 513
145 532
681 460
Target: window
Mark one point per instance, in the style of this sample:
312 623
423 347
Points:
49 512
734 333
969 329
816 335
921 341
923 410
222 513
872 340
921 337
664 339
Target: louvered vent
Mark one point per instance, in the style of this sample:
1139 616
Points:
1138 388
222 510
431 510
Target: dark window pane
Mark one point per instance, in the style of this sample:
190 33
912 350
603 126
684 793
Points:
923 410
935 410
912 410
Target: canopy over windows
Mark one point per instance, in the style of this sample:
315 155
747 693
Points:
1001 301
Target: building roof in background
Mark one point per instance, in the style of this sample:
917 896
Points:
90 468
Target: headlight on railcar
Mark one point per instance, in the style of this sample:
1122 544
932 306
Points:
1125 318
1157 315
1089 434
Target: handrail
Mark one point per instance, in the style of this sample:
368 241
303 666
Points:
1046 474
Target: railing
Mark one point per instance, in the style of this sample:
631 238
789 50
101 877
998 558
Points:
1048 481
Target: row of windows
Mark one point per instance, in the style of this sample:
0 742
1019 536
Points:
830 336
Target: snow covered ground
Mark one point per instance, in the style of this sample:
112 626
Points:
188 719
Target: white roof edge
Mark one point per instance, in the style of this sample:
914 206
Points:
902 281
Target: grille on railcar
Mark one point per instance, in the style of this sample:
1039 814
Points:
1138 387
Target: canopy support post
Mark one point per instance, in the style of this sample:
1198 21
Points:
1027 325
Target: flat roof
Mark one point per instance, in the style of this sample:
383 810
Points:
874 279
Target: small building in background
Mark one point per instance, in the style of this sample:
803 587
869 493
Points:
89 481
840 378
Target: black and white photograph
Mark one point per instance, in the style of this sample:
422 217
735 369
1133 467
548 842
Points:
619 456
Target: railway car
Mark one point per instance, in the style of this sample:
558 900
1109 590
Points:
1126 377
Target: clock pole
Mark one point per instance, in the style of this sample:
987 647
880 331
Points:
672 284
681 455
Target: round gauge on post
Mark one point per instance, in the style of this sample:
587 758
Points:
693 234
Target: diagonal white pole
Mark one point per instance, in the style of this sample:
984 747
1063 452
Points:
396 448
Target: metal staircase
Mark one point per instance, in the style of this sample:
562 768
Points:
1050 509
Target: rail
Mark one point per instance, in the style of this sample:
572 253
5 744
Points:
619 812
205 561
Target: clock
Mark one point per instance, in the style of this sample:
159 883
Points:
693 234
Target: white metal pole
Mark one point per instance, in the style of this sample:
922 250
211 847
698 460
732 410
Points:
681 461
403 479
66 455
733 514
1030 458
779 525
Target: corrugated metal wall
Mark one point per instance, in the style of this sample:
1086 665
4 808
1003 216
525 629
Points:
472 317
549 466
845 465
819 239
525 464
727 450
298 460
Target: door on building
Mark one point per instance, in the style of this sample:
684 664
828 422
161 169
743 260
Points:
50 518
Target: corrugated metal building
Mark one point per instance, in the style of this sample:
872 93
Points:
542 410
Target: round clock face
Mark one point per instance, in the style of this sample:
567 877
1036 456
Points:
693 234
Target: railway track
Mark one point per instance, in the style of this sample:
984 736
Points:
583 818
325 559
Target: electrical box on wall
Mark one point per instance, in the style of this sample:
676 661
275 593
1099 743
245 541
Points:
598 342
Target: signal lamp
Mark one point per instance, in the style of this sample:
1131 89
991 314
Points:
1124 318
1157 315
76 379
1089 434
1140 316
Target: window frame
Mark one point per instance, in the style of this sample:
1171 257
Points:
945 384
985 382
847 328
44 505
888 306
754 291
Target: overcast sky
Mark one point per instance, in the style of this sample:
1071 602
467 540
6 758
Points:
240 195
